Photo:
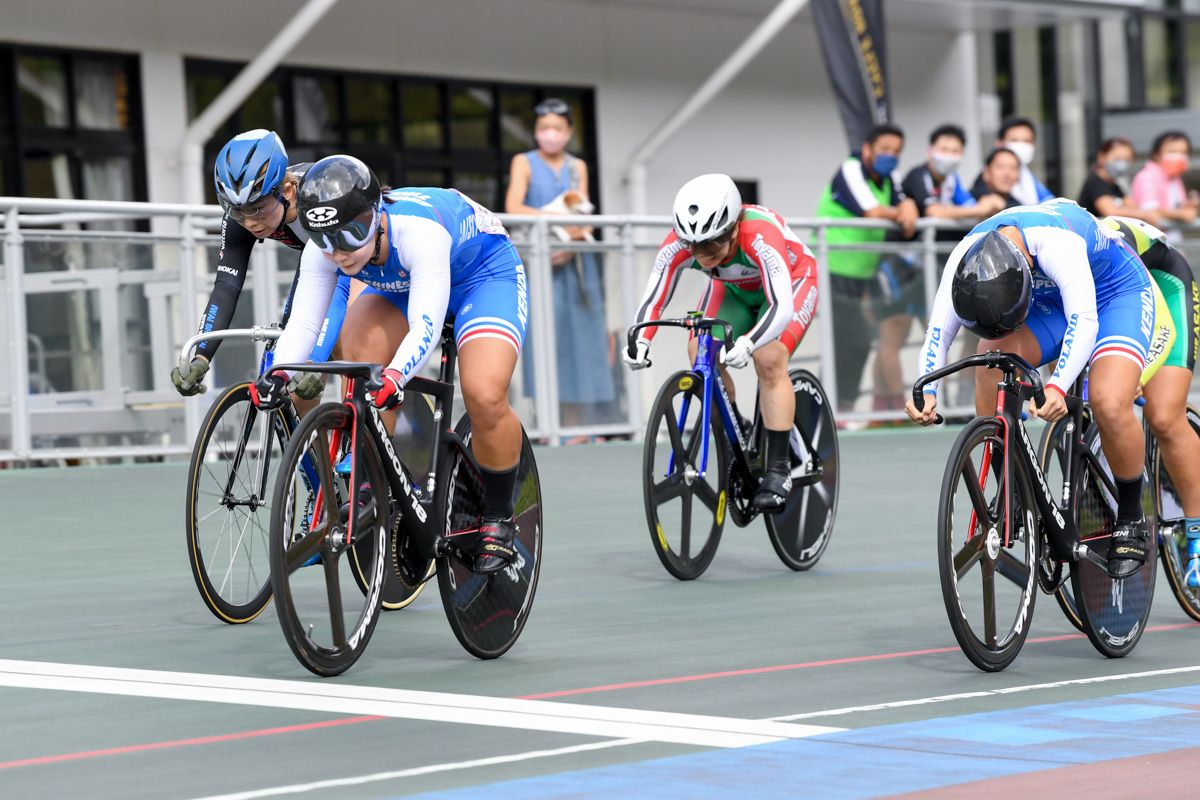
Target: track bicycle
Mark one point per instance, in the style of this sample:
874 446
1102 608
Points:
1167 507
234 463
397 520
999 519
691 453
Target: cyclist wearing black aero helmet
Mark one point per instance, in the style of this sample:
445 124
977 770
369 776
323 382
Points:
1051 284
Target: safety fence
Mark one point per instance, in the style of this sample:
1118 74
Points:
99 296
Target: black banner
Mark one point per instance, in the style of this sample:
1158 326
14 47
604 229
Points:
853 42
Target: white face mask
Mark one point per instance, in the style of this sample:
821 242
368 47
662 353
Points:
1023 151
944 163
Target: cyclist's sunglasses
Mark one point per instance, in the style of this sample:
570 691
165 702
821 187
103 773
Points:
351 236
711 247
256 210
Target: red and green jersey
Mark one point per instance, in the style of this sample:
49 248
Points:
768 259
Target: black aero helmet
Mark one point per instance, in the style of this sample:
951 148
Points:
338 203
991 287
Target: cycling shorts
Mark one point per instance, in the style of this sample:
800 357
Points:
495 307
743 309
1120 331
1174 278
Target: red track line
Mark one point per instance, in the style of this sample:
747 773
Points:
206 740
759 670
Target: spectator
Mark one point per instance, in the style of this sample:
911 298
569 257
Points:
936 188
865 186
1018 136
537 179
1001 171
1104 191
1159 184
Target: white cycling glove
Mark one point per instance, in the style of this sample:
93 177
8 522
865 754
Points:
740 354
638 361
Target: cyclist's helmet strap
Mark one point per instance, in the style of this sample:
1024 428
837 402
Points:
706 208
991 288
335 191
250 166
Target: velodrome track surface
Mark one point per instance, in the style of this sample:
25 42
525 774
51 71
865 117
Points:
754 681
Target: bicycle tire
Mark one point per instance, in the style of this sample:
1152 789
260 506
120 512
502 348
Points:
1114 612
676 552
408 572
1172 538
488 612
301 590
1017 564
231 426
800 533
1052 460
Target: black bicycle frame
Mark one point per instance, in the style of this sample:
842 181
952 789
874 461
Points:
421 524
1062 534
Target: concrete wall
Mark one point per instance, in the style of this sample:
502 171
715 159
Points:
776 123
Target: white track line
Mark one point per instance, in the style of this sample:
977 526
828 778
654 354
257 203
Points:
407 773
834 712
583 720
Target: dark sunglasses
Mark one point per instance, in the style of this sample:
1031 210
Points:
553 106
712 246
352 236
255 210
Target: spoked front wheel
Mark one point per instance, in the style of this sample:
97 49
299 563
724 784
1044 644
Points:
988 588
234 466
801 531
488 612
326 620
685 511
1172 534
1113 611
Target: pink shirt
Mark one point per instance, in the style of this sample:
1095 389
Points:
1153 189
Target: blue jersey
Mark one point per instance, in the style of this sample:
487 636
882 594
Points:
1091 293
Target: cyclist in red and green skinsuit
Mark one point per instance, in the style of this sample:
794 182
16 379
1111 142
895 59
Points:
764 284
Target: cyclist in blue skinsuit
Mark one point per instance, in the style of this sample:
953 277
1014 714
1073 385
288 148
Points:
424 254
1056 285
257 188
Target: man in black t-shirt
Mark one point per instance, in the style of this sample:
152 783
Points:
937 189
1001 171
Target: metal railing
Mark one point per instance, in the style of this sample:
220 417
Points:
111 308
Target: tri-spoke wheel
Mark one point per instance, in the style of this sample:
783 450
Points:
684 508
1172 536
801 531
988 583
488 612
326 620
233 469
1113 611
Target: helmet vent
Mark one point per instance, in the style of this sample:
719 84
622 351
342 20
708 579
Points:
693 208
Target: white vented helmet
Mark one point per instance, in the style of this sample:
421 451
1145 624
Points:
706 207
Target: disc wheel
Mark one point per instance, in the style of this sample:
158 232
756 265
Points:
488 612
1054 575
1113 611
801 531
988 589
407 571
1172 537
233 468
325 619
685 511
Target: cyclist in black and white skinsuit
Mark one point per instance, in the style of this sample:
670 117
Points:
257 188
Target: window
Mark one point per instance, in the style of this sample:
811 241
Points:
411 131
70 125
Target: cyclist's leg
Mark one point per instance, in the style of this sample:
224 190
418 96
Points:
373 330
1038 341
330 329
489 328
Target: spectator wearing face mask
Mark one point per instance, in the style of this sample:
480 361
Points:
938 191
1018 136
1104 192
1001 172
1158 186
540 181
864 186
